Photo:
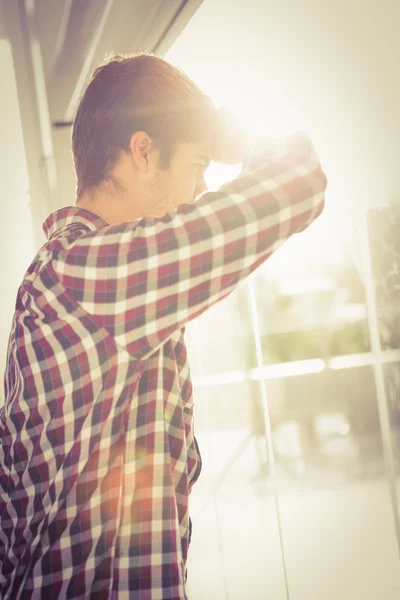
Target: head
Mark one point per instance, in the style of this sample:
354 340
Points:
141 139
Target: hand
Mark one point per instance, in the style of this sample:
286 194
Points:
231 141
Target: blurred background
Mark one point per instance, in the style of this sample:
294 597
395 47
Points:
297 373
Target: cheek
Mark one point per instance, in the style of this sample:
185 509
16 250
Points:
186 186
181 191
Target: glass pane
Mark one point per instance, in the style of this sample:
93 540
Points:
226 327
331 485
235 551
384 248
333 491
335 514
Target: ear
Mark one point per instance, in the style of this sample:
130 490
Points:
142 150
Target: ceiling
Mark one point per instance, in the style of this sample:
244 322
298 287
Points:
75 35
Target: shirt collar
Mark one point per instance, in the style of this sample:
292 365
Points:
71 214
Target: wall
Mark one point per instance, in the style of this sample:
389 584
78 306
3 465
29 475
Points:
17 245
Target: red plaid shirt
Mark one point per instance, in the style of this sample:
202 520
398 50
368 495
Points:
98 450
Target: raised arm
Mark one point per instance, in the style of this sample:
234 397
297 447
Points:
143 280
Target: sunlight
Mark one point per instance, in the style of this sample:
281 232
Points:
271 100
271 117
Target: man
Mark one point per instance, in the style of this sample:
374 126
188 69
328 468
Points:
98 448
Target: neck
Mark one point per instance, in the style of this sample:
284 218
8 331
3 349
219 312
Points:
113 208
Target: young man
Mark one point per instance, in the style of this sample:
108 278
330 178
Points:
98 449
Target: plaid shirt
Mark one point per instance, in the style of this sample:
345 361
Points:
98 449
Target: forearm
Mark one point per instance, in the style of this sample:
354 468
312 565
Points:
170 269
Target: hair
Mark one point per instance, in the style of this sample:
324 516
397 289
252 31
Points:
135 93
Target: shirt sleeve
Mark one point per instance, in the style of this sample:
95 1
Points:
142 280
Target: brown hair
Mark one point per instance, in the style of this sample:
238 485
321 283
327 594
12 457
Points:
135 93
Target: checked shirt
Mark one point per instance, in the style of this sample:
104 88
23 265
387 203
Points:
98 454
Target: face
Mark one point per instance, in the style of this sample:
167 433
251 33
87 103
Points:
183 181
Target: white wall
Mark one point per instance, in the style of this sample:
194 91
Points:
17 246
2 21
